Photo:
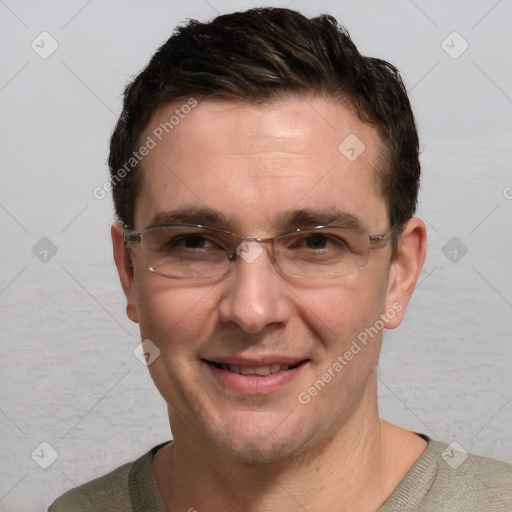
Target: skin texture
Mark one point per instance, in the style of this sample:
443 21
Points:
234 451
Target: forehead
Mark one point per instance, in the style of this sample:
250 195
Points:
254 162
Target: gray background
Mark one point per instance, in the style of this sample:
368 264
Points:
69 376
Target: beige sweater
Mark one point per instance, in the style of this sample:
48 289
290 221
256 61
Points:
442 480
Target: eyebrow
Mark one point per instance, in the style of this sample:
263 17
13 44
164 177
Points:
203 216
312 218
288 220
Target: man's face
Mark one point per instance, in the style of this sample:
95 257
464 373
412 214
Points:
256 167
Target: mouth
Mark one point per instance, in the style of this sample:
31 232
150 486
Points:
262 370
255 377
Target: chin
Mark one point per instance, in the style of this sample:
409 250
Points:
259 451
260 438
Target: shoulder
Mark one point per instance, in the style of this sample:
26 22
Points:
456 465
471 481
109 492
115 491
448 478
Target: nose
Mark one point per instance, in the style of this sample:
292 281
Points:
255 295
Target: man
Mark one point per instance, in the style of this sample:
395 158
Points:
265 177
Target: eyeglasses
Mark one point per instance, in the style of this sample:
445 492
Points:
192 251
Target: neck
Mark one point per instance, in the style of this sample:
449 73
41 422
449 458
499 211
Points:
356 468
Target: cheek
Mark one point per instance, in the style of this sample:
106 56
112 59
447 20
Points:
176 318
174 315
344 309
346 321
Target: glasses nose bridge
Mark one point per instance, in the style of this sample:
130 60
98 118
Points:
259 240
268 242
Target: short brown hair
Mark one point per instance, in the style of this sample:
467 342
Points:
256 56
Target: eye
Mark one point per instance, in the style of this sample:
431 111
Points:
318 242
194 241
184 242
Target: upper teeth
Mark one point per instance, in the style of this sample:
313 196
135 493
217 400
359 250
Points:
258 370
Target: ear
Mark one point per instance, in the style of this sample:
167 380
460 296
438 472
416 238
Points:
405 270
124 269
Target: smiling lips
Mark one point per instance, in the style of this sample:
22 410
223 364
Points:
255 377
255 370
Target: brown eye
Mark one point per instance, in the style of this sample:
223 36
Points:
190 242
317 241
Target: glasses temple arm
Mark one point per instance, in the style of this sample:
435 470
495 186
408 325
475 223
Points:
131 238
